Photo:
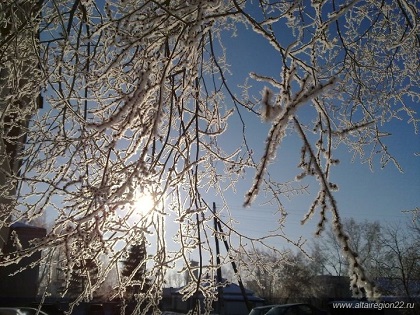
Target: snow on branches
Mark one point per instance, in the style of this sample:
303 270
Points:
138 99
280 114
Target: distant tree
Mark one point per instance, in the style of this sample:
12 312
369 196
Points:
415 225
400 261
175 279
229 274
319 258
297 279
389 254
263 278
134 271
282 278
83 277
364 237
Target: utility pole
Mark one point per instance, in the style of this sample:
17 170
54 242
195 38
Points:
218 229
235 270
218 270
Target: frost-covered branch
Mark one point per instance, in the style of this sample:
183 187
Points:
137 99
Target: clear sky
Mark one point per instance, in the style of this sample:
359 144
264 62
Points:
380 194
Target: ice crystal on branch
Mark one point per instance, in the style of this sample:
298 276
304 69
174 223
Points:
281 114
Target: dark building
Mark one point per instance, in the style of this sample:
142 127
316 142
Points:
232 302
23 284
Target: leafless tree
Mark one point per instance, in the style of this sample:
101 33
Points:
298 279
282 278
401 260
175 279
389 254
366 239
136 98
264 275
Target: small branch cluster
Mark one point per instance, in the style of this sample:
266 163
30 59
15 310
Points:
280 114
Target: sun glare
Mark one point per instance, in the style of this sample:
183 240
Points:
144 204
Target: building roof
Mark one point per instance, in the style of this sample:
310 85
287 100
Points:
395 286
22 225
231 292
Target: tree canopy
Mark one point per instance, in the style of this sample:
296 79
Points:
134 270
136 100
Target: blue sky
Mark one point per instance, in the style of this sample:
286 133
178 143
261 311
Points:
378 194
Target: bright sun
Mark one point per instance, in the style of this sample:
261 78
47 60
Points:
144 204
